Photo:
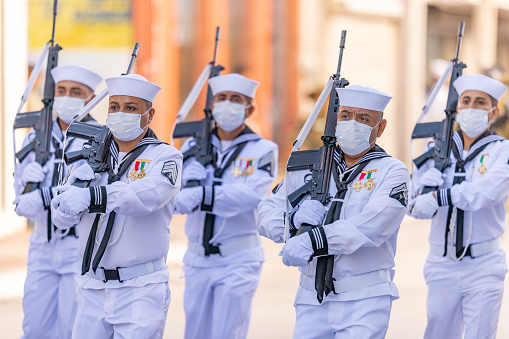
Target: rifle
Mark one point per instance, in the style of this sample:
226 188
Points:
41 121
201 130
319 161
442 131
97 148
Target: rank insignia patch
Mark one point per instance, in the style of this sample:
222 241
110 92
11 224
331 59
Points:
138 171
170 170
277 187
400 193
267 163
243 166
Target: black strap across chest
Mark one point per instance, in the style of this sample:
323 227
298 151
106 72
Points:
210 219
458 179
112 177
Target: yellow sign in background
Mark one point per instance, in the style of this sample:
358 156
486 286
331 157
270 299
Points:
81 23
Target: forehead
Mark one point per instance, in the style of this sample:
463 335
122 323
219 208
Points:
230 94
474 94
71 84
357 110
122 99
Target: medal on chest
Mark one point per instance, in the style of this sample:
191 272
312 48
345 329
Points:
369 184
243 167
482 169
138 171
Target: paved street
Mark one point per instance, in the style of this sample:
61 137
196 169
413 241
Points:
273 314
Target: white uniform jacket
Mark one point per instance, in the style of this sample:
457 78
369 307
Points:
143 201
482 195
364 238
72 144
234 202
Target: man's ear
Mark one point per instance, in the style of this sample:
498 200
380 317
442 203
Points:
381 128
151 113
250 110
494 114
91 98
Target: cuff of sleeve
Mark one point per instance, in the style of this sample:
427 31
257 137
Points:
207 202
46 195
98 199
319 241
444 197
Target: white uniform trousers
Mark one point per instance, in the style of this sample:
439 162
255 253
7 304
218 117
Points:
123 312
353 319
217 300
465 296
48 300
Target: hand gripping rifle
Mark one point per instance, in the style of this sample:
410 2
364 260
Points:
442 131
201 130
41 121
97 148
319 161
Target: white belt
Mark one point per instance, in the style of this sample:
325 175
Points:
127 273
476 250
230 247
354 282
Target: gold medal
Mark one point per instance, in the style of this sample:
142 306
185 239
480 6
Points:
236 171
141 174
482 169
358 186
370 184
133 175
249 170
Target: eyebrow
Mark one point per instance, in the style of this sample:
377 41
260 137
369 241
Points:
469 97
131 103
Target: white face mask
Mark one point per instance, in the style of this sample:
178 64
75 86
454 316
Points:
125 126
473 121
353 137
68 107
229 115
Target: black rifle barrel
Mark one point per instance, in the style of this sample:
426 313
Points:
133 58
218 34
55 7
461 30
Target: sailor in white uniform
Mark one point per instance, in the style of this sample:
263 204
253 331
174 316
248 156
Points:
224 258
53 260
124 218
351 293
466 266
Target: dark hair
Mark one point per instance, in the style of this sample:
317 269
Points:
494 102
148 104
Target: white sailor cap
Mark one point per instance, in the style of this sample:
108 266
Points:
363 97
233 82
479 82
133 85
76 73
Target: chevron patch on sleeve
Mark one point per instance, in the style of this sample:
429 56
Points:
400 193
267 163
170 170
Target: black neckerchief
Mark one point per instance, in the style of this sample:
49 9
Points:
343 176
149 139
477 147
234 150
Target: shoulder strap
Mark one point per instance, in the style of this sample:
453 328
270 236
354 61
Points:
219 171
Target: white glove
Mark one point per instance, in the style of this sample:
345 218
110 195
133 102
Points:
423 207
432 178
72 201
29 204
60 219
193 171
188 200
33 172
297 251
84 172
310 212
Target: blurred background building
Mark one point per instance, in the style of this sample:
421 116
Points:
290 46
